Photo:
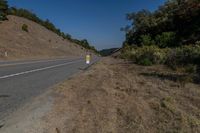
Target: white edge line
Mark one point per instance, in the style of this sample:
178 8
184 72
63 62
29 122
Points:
30 62
36 70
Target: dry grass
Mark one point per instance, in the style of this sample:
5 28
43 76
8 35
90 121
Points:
114 97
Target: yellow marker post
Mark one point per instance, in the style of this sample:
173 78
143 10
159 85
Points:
88 58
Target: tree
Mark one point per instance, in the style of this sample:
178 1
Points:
166 39
3 9
146 40
182 17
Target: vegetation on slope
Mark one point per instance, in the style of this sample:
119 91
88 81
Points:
170 36
25 27
175 23
4 10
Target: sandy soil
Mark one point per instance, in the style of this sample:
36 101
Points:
118 97
37 43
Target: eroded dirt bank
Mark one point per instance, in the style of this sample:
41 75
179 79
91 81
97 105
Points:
118 97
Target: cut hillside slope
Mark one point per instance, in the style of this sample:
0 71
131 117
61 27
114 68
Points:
38 42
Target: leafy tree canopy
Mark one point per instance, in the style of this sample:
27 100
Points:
176 22
3 9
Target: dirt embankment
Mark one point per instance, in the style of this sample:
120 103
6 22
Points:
114 96
38 42
118 97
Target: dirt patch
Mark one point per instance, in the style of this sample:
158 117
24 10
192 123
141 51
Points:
114 97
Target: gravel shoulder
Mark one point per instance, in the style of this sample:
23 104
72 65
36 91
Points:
114 96
29 118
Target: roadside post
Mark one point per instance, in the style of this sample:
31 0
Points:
88 59
6 54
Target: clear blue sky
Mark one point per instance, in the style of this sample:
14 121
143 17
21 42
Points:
99 21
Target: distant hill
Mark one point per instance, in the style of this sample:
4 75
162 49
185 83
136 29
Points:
107 52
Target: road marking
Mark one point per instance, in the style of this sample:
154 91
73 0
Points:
30 62
40 69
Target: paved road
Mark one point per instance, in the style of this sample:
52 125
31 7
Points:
22 80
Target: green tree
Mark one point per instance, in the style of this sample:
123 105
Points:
147 40
181 17
3 9
166 39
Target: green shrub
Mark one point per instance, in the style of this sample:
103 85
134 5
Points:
145 62
166 39
146 40
198 72
152 53
182 56
125 55
25 27
191 68
3 10
3 16
127 52
197 43
145 55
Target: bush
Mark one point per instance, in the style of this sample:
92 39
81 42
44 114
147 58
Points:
25 27
145 62
146 40
166 39
3 17
146 55
191 68
197 43
3 10
152 53
126 52
183 56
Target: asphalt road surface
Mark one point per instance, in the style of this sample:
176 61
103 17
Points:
22 80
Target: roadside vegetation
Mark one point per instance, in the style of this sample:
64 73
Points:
6 10
3 10
168 36
25 27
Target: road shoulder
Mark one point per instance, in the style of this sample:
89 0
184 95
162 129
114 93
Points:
29 117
